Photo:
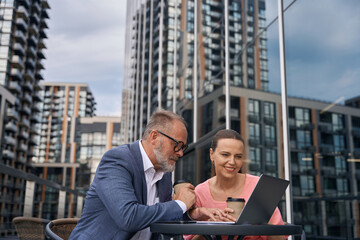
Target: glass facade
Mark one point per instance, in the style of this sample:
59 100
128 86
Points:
324 148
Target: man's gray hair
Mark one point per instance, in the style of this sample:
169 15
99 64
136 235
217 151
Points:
161 120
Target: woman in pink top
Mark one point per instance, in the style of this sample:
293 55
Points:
227 157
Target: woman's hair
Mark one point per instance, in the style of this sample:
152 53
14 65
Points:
161 120
223 134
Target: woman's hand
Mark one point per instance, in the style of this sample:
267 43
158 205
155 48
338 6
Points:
211 214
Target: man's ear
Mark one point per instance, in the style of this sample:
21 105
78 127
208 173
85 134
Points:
153 136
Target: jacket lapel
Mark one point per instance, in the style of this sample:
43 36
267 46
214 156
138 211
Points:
139 169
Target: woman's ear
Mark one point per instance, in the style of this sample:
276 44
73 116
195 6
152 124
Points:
211 154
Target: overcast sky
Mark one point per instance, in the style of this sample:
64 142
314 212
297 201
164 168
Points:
86 44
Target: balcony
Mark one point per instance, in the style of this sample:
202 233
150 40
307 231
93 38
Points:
39 66
31 53
254 167
254 118
41 44
19 49
311 149
26 110
11 127
12 113
29 75
254 142
325 128
38 87
43 24
25 123
328 171
32 41
36 7
25 3
33 29
30 63
269 120
21 24
326 149
7 154
16 74
35 108
34 140
14 87
44 14
35 19
42 34
23 134
27 98
22 148
270 143
10 140
28 86
20 37
355 132
38 75
35 118
307 126
23 13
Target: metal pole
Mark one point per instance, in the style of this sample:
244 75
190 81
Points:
195 93
175 70
175 57
227 84
149 99
160 54
289 217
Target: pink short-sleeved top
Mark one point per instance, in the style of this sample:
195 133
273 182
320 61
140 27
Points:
205 199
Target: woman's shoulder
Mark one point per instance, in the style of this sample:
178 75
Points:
202 186
251 180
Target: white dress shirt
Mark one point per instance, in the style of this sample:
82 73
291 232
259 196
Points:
152 177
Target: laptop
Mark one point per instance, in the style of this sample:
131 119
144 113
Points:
262 202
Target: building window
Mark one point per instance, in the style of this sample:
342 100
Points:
255 159
254 109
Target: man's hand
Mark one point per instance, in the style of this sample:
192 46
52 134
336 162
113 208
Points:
187 195
211 214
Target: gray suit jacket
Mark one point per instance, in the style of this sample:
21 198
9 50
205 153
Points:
115 206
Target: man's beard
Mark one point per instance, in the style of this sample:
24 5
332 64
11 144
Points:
164 163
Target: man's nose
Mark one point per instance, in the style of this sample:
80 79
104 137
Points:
180 153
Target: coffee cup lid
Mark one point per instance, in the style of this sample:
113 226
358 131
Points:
230 199
182 181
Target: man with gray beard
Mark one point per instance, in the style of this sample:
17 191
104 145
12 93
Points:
132 187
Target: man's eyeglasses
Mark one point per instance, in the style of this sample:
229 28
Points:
179 144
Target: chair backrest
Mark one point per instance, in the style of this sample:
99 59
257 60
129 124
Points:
60 229
29 228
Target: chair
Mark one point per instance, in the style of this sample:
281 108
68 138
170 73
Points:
60 229
30 228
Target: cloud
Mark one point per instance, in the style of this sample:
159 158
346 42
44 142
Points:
86 44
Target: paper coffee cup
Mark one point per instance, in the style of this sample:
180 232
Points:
237 204
179 184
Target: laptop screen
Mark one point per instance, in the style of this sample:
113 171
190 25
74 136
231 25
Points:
263 200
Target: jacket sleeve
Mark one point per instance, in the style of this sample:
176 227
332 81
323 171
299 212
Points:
116 181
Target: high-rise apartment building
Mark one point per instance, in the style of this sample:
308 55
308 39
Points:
164 38
58 148
97 135
22 34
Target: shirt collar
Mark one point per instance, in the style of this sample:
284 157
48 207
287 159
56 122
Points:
146 160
